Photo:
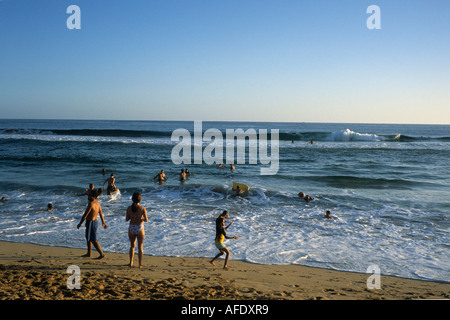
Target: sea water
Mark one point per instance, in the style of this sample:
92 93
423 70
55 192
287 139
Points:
387 186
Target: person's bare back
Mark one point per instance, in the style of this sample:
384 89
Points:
136 218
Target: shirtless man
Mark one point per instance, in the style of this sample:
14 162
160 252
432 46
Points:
160 176
90 215
183 175
88 191
111 184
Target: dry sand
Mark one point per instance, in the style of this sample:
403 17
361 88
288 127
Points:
36 272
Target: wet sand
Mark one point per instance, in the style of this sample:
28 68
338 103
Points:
35 272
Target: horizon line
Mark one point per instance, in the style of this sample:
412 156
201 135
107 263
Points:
240 121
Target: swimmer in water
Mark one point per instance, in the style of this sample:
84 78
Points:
160 176
239 192
111 184
328 215
307 198
88 191
182 175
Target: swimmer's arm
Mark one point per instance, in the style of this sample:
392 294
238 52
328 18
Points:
82 194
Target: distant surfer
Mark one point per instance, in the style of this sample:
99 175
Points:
306 197
220 236
160 177
111 184
49 207
93 210
232 167
188 173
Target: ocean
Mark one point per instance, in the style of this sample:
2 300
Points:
386 185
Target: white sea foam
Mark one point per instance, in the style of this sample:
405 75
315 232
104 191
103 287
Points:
385 213
349 135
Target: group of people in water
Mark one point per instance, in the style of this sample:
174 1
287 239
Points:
161 176
136 214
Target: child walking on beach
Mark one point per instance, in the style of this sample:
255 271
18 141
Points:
220 236
90 215
137 215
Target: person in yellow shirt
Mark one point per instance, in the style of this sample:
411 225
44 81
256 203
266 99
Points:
220 236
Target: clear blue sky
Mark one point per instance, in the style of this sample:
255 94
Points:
247 60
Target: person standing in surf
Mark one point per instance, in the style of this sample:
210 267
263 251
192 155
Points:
160 177
111 184
220 236
90 215
137 215
183 175
88 191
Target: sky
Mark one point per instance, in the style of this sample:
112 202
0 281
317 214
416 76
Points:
217 60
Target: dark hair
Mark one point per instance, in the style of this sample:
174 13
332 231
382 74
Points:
223 214
219 221
98 192
136 199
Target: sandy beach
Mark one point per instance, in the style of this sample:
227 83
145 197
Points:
35 272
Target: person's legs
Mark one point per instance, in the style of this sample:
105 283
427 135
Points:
89 249
99 249
227 257
221 253
140 238
132 238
